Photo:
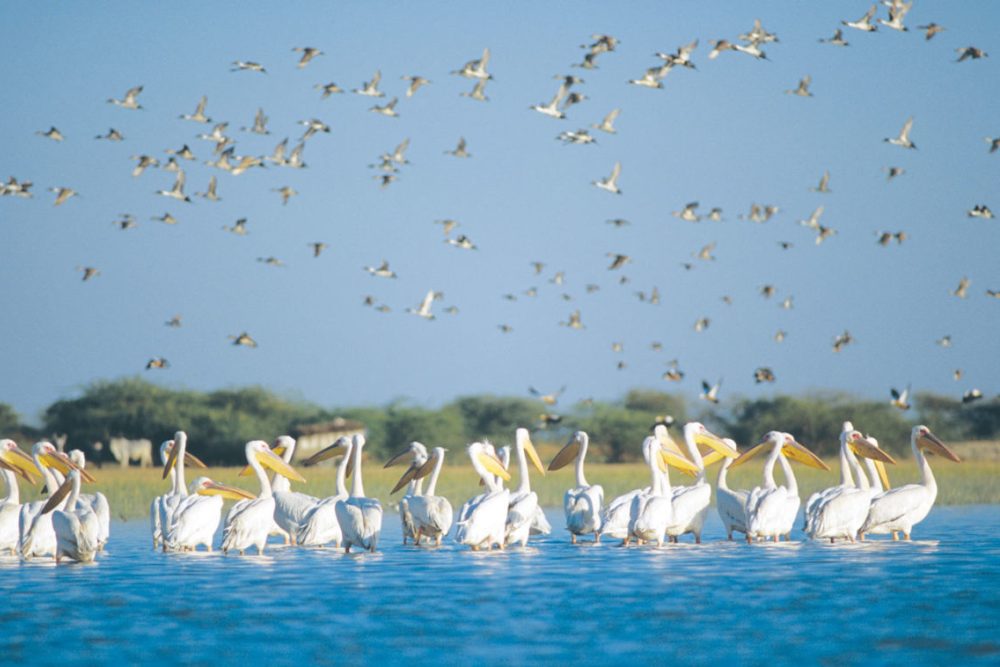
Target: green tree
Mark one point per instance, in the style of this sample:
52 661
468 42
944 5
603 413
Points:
10 421
494 417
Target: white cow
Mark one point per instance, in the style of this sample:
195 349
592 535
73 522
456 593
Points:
125 450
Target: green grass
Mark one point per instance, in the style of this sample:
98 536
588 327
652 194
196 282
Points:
131 490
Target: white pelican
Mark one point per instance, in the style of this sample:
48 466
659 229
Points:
846 481
415 484
840 512
771 509
523 504
290 507
321 526
166 505
690 503
539 523
38 538
431 514
618 514
196 517
97 502
76 527
12 460
731 503
582 503
879 478
155 507
360 517
902 508
482 519
250 521
652 511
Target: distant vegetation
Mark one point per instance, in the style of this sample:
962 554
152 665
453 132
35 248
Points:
220 422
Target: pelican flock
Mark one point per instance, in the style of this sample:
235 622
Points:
73 525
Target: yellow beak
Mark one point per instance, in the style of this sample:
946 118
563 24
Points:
61 462
715 443
864 448
328 452
931 443
796 451
21 463
269 459
883 475
230 492
493 465
529 449
398 458
678 461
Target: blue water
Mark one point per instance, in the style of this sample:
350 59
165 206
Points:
925 602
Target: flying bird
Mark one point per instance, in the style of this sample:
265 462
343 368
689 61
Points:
199 112
370 88
972 395
930 30
963 287
478 91
239 227
318 247
247 66
608 124
611 182
865 22
157 362
424 309
308 53
381 271
803 88
387 109
476 69
52 133
618 261
574 321
286 192
130 100
88 272
763 374
112 135
709 392
824 184
837 39
416 82
328 89
900 399
904 136
970 52
243 339
63 194
547 399
980 211
460 149
210 193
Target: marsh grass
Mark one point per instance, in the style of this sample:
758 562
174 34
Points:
130 490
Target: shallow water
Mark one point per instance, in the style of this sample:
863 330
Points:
924 602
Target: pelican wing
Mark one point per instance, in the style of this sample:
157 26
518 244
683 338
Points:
321 526
195 521
889 507
360 521
291 509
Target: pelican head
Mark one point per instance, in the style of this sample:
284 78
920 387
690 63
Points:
485 461
923 439
173 447
282 444
697 432
51 457
203 486
670 453
341 446
260 451
17 460
416 449
863 447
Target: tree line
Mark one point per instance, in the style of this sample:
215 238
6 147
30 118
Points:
220 422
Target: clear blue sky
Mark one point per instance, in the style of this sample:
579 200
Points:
725 135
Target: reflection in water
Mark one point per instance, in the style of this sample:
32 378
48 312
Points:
552 602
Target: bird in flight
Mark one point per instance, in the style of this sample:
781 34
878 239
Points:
243 339
308 53
611 182
130 100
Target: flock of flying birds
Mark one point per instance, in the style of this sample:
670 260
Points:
220 147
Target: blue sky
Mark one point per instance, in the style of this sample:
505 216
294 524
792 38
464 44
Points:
725 135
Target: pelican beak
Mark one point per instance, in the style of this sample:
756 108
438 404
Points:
749 454
191 459
796 451
864 448
715 443
398 458
566 454
425 469
493 465
406 478
279 450
327 452
171 460
58 496
678 461
883 475
62 463
230 492
931 443
18 461
529 448
271 460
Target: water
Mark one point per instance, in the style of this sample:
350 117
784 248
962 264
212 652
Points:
925 602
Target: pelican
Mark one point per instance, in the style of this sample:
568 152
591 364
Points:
175 455
582 503
539 523
321 525
250 521
611 182
38 538
76 527
431 515
290 507
731 503
847 433
196 517
12 460
419 453
481 520
841 511
902 508
97 502
652 511
690 503
523 505
360 517
771 509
